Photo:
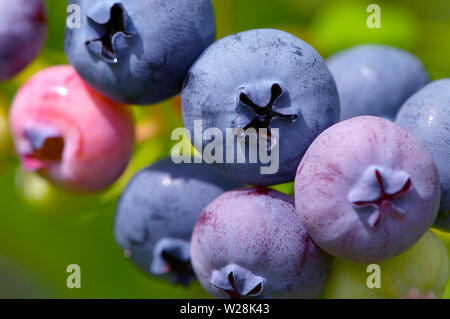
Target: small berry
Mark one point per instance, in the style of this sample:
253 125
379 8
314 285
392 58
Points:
427 116
157 212
68 133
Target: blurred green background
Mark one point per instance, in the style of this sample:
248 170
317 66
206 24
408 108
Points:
43 230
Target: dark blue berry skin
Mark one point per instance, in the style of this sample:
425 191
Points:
139 51
157 213
427 116
261 78
375 79
23 31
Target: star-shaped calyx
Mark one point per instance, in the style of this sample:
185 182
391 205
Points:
41 146
379 187
264 114
237 282
113 30
171 256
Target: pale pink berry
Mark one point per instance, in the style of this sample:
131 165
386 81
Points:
70 134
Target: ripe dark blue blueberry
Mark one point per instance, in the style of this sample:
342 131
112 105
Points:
249 242
427 116
157 212
263 80
139 51
375 79
23 30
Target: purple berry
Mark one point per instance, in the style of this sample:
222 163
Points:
157 212
366 190
249 242
427 116
23 31
375 79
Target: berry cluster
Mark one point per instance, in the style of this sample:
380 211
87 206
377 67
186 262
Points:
364 137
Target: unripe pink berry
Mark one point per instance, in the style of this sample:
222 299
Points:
69 133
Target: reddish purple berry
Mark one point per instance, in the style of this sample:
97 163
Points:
249 242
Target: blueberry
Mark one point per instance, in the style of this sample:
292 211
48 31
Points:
157 212
427 116
139 51
367 190
23 31
375 79
260 80
249 242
